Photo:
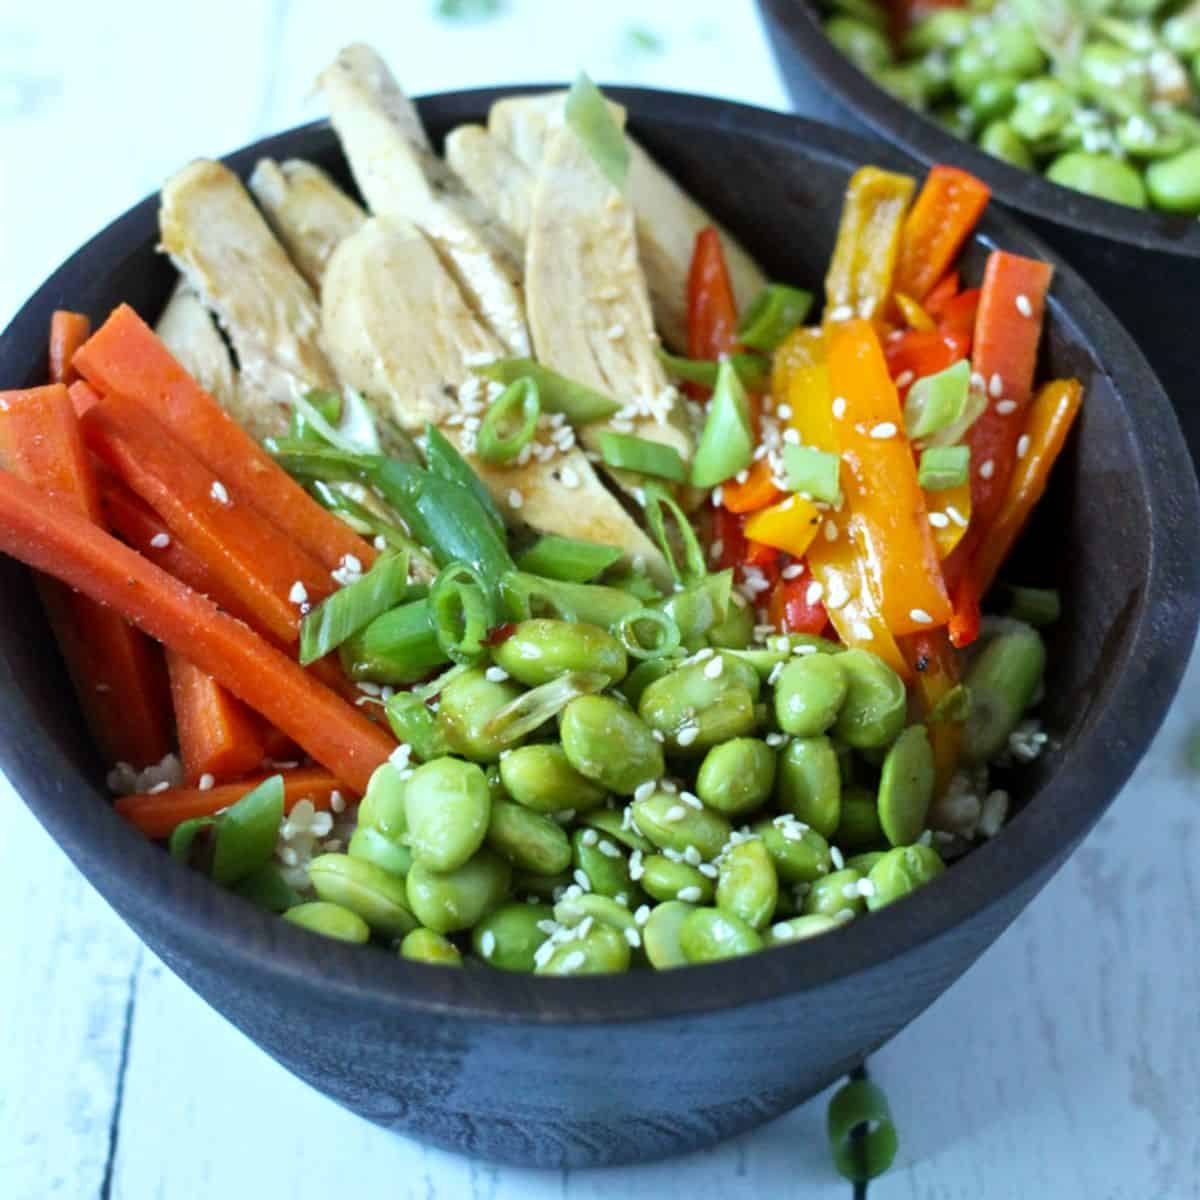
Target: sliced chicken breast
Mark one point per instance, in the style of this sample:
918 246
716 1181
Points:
189 332
225 250
496 176
309 213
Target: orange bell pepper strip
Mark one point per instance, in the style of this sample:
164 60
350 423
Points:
117 673
803 347
712 310
789 525
959 313
68 331
941 294
949 516
948 208
882 493
755 493
859 280
935 671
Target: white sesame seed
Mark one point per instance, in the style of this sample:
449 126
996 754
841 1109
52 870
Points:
608 849
569 477
904 379
158 788
885 429
495 674
400 756
995 386
775 740
644 791
690 895
658 735
921 616
783 931
773 677
862 631
675 813
1005 407
792 437
299 593
713 668
515 499
636 866
987 469
742 475
337 801
813 594
589 837
207 782
837 596
783 412
1023 305
581 878
692 856
487 943
642 914
792 571
574 960
865 888
956 516
160 541
218 492
632 937
687 735
835 857
381 542
718 495
615 333
843 312
1023 445
939 520
831 530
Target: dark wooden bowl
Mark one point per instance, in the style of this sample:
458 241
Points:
1146 265
605 1070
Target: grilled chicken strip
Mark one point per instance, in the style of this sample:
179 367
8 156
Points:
668 219
497 177
309 213
400 331
402 179
189 332
218 239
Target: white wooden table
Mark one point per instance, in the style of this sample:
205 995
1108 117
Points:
1064 1065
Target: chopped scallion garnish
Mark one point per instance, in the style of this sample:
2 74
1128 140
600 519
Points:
567 559
463 611
814 472
772 315
1035 606
937 401
590 117
577 402
727 443
353 607
648 633
510 423
662 508
627 452
862 1135
534 708
753 369
943 467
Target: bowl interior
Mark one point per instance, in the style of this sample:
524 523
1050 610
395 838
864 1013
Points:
1117 534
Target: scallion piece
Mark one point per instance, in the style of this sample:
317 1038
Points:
636 583
629 453
661 508
370 524
354 607
414 724
772 315
753 369
937 401
943 467
524 596
243 836
463 612
397 648
813 472
648 633
727 443
437 685
593 123
696 609
577 402
328 403
534 708
862 1135
1034 606
445 460
510 423
956 432
567 559
954 706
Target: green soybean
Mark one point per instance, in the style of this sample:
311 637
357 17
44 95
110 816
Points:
900 872
382 807
329 920
736 631
606 742
540 650
376 895
1099 175
800 855
863 44
876 703
836 895
601 951
423 945
576 909
809 692
602 863
1002 141
529 840
672 824
906 786
1043 107
736 777
614 824
859 827
710 935
748 885
541 778
509 936
1174 183
453 900
370 845
663 878
447 804
1002 680
809 783
642 676
468 702
660 934
994 96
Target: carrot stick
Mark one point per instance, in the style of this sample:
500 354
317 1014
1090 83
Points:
68 331
124 355
272 578
948 208
218 735
117 673
157 815
83 396
54 538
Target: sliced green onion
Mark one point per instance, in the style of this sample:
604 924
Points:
463 612
629 453
943 467
956 432
567 559
772 315
814 472
660 505
663 637
636 583
524 596
727 443
371 524
955 705
266 888
593 123
353 607
862 1136
357 425
445 460
753 369
183 837
696 609
577 402
937 401
517 408
247 832
437 685
414 724
532 709
397 648
328 403
1034 606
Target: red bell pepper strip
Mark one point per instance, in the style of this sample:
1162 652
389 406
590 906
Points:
935 673
712 310
959 313
917 353
790 608
941 294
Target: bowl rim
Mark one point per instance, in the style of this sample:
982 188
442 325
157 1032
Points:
927 141
213 925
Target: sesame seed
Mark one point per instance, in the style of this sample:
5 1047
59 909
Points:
692 856
862 631
742 475
792 437
1005 407
207 782
939 520
381 542
299 593
956 516
996 386
515 499
784 412
644 791
691 800
713 668
839 407
400 756
814 593
1023 445
158 788
776 671
615 333
865 888
904 379
160 541
1023 305
569 477
718 495
218 492
987 469
495 674
835 857
792 571
487 943
775 740
607 848
675 813
589 837
632 937
885 429
687 735
690 895
843 312
831 530
642 914
920 616
337 801
574 960
866 308
581 878
658 735
783 931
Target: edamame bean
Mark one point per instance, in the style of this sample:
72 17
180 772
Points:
900 872
736 632
642 676
1099 175
382 808
541 778
600 864
423 945
329 920
509 936
576 909
876 703
1174 183
468 702
672 824
748 886
908 83
736 776
663 878
1002 680
809 783
541 887
859 827
809 693
615 825
541 650
941 29
994 96
906 786
1043 107
447 804
865 46
376 895
836 895
798 928
710 935
862 863
660 934
458 899
609 744
601 951
702 703
800 854
414 724
1002 141
529 840
372 846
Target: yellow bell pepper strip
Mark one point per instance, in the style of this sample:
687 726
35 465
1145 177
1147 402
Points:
935 670
789 525
859 281
803 347
1051 416
885 500
949 514
948 208
915 316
